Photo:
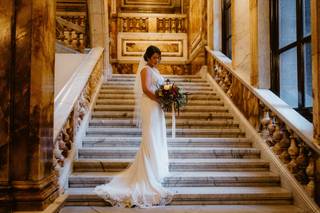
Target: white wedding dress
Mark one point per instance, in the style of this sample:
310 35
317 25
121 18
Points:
140 184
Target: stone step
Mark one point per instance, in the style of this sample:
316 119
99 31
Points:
175 165
118 132
201 196
202 97
174 79
165 76
126 85
183 115
131 83
187 209
184 109
122 91
174 152
132 102
176 142
180 123
185 179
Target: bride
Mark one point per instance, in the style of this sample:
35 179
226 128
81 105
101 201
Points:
140 184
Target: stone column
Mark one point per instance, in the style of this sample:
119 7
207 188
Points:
6 14
217 25
29 78
315 26
260 44
99 33
210 22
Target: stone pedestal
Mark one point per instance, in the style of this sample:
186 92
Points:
26 110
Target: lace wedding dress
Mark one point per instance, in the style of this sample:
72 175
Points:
140 184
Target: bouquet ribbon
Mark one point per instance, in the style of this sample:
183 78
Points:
173 122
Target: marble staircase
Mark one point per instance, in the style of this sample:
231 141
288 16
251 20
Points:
211 160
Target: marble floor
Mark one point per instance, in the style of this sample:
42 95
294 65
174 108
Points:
188 209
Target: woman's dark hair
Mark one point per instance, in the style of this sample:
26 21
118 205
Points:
150 51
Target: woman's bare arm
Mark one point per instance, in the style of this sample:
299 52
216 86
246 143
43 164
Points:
146 84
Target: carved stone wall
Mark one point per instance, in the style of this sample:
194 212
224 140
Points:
135 24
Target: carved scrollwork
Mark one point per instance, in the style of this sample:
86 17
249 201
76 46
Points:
65 139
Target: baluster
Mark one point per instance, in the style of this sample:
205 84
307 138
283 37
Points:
310 171
302 163
66 34
125 25
130 25
276 137
73 42
140 25
265 122
81 41
82 22
180 26
284 144
137 25
173 25
160 25
167 25
144 25
271 129
293 152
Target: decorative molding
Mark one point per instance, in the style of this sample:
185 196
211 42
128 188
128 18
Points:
160 6
132 45
148 3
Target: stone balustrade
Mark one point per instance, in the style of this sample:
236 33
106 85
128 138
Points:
162 23
71 30
296 150
70 114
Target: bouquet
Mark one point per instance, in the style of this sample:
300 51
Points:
170 94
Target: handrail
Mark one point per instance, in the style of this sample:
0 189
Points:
72 112
288 135
149 15
65 100
303 128
70 25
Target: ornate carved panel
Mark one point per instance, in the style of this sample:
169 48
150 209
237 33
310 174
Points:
132 46
162 6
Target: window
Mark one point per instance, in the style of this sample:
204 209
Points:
226 28
291 76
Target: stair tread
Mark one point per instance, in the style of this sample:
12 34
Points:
192 161
192 209
135 129
213 140
268 192
184 174
202 169
174 149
